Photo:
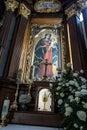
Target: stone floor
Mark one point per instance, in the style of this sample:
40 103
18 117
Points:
27 127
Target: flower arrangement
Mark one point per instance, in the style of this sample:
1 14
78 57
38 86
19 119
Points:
24 99
71 98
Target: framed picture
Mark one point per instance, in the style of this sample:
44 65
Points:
45 51
46 56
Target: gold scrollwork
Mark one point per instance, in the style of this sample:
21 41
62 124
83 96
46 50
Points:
48 6
63 48
11 5
30 47
71 10
82 3
23 10
27 66
47 25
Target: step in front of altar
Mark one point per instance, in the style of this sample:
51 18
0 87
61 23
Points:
35 118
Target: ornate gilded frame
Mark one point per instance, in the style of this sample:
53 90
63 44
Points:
30 47
47 6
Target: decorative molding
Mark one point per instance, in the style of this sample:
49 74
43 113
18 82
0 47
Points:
53 25
11 5
31 46
74 8
63 46
47 6
23 10
82 3
28 61
71 10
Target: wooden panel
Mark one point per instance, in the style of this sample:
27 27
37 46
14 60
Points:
74 43
85 19
41 119
82 47
46 20
14 64
5 31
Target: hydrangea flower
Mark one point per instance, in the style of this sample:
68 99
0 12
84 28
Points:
70 97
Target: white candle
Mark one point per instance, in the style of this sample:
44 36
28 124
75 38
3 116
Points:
5 107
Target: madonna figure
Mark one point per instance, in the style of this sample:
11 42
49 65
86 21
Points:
44 52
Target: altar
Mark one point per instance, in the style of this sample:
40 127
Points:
35 119
36 42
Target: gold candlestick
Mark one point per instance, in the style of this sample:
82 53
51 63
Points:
14 105
3 121
29 88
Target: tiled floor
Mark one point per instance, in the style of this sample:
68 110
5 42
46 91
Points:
26 127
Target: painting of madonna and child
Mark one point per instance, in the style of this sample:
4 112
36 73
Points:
47 54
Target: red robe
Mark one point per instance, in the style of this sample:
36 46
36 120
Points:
47 56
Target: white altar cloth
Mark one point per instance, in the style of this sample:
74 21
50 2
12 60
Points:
27 127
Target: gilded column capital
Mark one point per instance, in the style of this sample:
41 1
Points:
71 10
23 10
82 3
11 5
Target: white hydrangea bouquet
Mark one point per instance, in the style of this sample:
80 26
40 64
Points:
71 98
24 98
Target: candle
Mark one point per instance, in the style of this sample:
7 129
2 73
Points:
5 107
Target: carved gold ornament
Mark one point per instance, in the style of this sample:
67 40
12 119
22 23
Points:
71 10
23 10
31 46
47 6
63 47
82 3
11 5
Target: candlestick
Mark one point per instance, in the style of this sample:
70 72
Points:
14 105
3 123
